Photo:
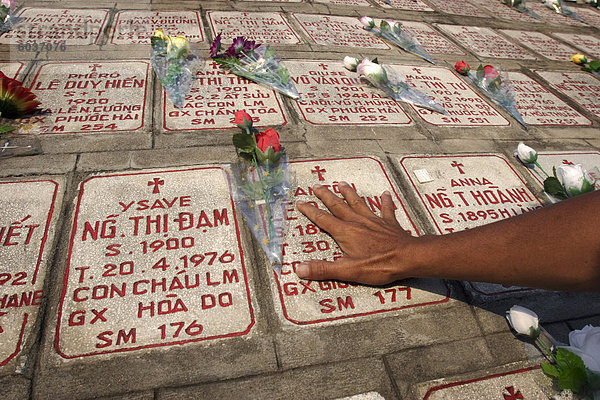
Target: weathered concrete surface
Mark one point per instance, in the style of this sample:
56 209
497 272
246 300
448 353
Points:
445 335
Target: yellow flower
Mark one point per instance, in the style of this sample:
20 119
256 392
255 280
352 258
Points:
178 47
578 59
160 34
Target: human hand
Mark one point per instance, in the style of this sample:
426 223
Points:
376 249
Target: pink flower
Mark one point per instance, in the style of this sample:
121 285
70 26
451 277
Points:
215 46
268 138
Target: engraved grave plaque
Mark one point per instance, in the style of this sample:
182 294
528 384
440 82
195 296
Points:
581 87
332 95
485 42
136 27
542 44
310 302
263 27
551 17
408 5
458 7
549 159
350 3
464 106
57 25
214 98
27 223
329 30
589 14
502 11
588 43
155 259
433 41
465 191
538 106
90 97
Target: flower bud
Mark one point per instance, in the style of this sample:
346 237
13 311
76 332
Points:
350 63
526 154
579 59
373 72
524 321
367 22
243 119
178 47
462 67
574 179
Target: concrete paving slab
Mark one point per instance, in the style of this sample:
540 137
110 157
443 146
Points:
136 27
485 42
408 5
57 25
328 30
266 27
459 7
332 95
464 106
527 382
502 11
551 17
132 264
433 41
316 303
31 208
215 96
38 165
538 106
15 387
542 44
582 88
91 98
588 43
320 381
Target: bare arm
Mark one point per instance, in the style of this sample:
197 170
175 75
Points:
556 247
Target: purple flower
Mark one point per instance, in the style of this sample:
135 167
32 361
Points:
249 45
215 46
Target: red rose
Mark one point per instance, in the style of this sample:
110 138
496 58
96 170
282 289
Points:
490 72
268 138
243 119
462 67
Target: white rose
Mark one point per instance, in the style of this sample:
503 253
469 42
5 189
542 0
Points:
526 154
372 71
586 344
367 22
524 321
575 179
350 63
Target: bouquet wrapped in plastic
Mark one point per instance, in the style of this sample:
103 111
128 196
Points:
391 82
7 19
173 64
494 84
255 62
261 186
392 31
521 6
560 8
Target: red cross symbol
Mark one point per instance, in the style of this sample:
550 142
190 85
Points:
324 66
319 172
458 165
94 66
214 65
156 182
511 394
567 162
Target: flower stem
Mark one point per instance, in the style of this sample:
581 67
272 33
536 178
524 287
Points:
541 343
542 169
266 199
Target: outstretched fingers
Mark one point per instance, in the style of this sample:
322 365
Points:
387 209
321 218
321 270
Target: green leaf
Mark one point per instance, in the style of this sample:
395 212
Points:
550 370
253 189
244 142
553 186
572 371
480 72
375 60
595 65
6 129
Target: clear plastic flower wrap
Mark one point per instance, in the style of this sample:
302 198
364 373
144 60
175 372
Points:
260 183
560 8
255 62
392 31
174 65
521 6
495 85
395 85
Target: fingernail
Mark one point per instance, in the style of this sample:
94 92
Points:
344 183
317 186
302 270
299 202
387 192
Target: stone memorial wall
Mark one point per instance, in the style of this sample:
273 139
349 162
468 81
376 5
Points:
582 88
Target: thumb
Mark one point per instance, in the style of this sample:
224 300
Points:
320 270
